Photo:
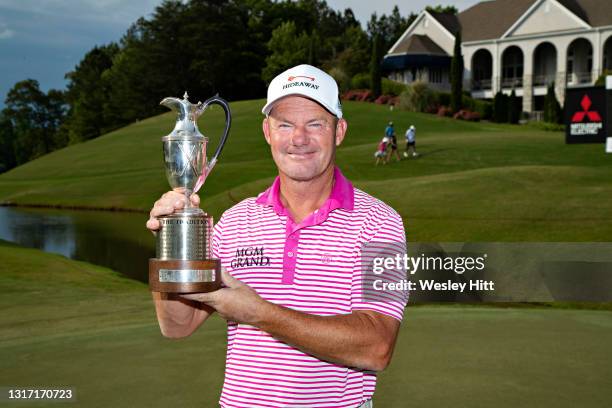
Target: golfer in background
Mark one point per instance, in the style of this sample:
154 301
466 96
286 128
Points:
411 141
300 331
390 134
389 130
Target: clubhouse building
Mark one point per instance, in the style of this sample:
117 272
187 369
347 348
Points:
523 45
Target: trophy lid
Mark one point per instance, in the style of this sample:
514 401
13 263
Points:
186 127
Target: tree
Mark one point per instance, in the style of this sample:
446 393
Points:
7 141
552 108
456 75
514 108
288 48
354 58
88 90
500 107
375 69
389 28
442 9
601 80
35 118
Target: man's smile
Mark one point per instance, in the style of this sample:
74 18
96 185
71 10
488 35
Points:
301 155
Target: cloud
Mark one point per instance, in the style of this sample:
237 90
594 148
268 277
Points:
108 11
5 32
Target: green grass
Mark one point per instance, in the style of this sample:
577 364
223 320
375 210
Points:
70 324
474 181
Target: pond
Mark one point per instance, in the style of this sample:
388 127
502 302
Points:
117 240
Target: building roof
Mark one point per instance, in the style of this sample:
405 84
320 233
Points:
419 44
596 13
491 19
448 20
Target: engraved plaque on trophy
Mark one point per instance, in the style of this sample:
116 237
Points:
183 262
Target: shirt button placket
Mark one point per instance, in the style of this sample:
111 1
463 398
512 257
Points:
289 262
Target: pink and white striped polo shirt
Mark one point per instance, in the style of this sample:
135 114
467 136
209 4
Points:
313 267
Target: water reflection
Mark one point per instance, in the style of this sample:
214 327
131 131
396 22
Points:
116 240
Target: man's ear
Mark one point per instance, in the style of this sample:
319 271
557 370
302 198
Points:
341 128
265 125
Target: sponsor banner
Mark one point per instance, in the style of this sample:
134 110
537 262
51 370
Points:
586 114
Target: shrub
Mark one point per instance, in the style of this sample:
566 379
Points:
417 97
443 98
500 107
484 108
552 127
357 95
361 81
384 99
344 82
444 111
466 114
390 87
552 108
601 80
514 108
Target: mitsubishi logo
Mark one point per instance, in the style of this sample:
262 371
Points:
591 114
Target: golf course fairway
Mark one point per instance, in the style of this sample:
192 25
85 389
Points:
70 324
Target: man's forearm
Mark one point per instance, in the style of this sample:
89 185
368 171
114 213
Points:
355 340
178 317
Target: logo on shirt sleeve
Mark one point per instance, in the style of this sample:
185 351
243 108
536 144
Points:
249 256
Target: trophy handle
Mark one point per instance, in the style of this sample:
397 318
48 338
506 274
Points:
228 123
207 167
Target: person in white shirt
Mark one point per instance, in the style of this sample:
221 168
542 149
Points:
411 141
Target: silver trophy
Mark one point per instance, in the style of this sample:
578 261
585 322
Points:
183 262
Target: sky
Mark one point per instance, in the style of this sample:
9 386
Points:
45 39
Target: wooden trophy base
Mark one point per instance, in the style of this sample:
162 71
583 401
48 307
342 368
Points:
182 276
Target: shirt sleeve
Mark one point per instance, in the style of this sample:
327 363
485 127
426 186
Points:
379 279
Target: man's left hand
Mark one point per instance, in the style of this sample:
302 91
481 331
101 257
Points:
236 302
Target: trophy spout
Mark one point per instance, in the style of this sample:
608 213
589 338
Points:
174 104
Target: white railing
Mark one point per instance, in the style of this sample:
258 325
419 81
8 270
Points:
579 78
481 84
536 116
543 80
516 82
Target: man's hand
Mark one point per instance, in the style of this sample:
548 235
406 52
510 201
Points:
236 302
167 204
363 338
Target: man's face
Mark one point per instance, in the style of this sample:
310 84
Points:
303 137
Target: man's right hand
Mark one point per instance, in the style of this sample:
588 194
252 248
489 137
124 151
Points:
167 204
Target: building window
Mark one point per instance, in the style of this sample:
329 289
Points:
435 75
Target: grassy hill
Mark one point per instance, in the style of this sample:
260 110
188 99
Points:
473 182
71 324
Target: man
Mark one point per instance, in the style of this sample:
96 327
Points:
300 331
411 141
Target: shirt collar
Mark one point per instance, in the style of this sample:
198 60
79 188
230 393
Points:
341 196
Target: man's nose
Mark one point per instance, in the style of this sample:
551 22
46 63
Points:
300 136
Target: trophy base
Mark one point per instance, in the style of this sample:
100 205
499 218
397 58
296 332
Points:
183 276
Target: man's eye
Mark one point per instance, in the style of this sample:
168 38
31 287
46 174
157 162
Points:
315 125
284 126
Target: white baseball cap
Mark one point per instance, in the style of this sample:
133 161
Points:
307 81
